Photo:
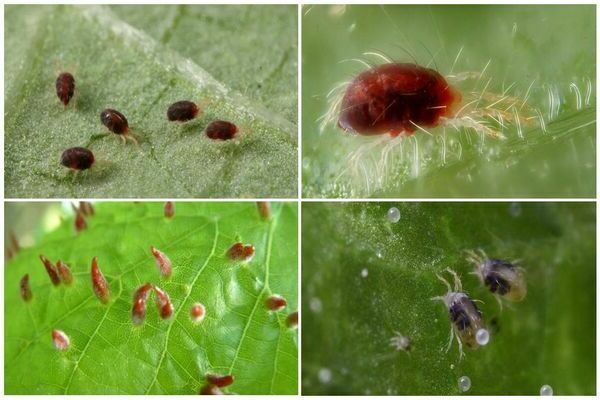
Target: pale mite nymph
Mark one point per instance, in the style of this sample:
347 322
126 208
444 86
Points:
505 279
401 342
467 321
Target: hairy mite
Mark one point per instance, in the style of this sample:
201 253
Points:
240 252
182 111
264 209
114 121
140 298
198 312
503 278
25 288
64 272
162 262
60 340
51 270
65 87
99 282
220 380
467 321
163 303
292 320
169 209
396 98
221 130
275 302
210 389
401 342
77 158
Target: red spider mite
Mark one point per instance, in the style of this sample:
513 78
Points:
140 298
220 380
163 303
25 288
221 130
275 303
99 283
182 111
65 87
77 158
64 272
117 124
51 270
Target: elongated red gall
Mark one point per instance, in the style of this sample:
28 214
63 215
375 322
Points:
99 283
79 221
275 302
163 303
221 130
25 288
60 340
140 299
162 263
292 320
169 209
209 389
182 111
77 158
240 252
64 272
86 208
51 270
264 209
197 312
65 87
220 380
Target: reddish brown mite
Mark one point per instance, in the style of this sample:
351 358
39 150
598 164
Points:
114 121
220 380
64 272
396 98
275 303
99 283
51 270
140 298
292 320
25 288
264 209
182 111
77 158
210 390
60 339
169 209
240 252
221 130
65 87
163 303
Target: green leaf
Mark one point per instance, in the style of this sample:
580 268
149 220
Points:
118 66
558 59
371 278
108 355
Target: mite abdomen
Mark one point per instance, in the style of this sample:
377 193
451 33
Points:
65 87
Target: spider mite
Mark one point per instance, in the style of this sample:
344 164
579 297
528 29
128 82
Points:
25 288
163 303
169 209
140 298
197 313
401 342
221 130
162 262
64 272
51 270
503 278
65 87
117 124
292 320
99 282
264 209
467 321
275 303
220 380
77 158
60 340
79 221
210 390
240 252
182 111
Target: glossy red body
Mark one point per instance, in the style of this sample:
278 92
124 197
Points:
114 121
65 87
221 130
77 158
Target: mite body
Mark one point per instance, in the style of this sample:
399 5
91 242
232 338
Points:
505 279
77 158
117 124
182 111
401 342
65 87
467 321
221 130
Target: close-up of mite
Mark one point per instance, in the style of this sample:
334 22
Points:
117 123
65 87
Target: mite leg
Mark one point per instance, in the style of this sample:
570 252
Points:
451 339
445 283
457 282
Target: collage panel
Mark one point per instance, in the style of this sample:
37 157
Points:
147 298
440 298
449 101
151 101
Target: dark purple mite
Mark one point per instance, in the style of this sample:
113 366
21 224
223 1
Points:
77 158
221 130
114 121
65 87
182 111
